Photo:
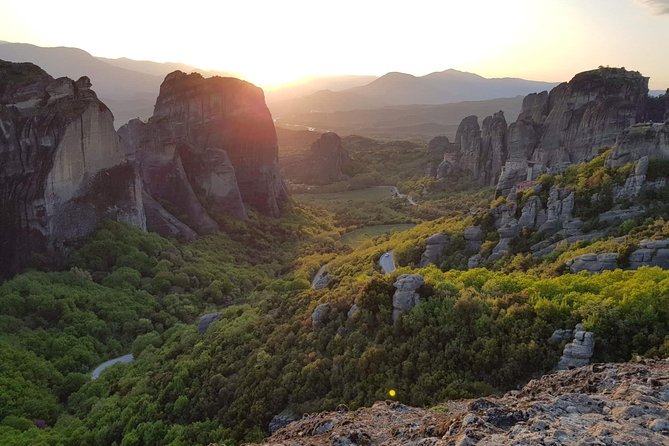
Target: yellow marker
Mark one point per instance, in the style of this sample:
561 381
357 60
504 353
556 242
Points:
392 393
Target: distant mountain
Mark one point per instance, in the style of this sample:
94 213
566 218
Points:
310 86
161 69
129 94
402 121
395 88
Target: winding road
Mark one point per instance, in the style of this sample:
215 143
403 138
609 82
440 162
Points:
125 359
387 262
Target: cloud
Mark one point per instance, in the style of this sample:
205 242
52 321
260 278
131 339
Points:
658 7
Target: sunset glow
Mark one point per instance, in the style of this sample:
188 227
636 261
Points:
276 42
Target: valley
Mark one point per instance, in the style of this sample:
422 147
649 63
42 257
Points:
205 276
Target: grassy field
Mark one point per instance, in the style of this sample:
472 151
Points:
359 236
369 194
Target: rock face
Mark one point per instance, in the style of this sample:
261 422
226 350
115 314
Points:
597 404
320 315
588 113
406 297
62 169
478 153
594 263
434 250
571 124
324 162
206 320
578 352
439 150
651 253
642 140
210 149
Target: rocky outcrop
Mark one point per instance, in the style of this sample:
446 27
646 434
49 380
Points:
206 320
208 151
61 167
616 216
323 163
434 250
406 296
578 352
473 236
588 113
610 404
650 253
593 263
573 122
642 140
478 153
558 209
493 147
437 149
320 315
321 279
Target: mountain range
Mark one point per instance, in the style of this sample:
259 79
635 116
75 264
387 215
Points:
129 87
391 89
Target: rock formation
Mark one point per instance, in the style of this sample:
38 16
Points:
206 320
608 404
588 113
566 126
320 315
651 253
642 140
434 250
62 170
209 150
439 150
406 296
593 263
578 352
323 163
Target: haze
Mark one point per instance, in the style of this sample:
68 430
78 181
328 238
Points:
272 42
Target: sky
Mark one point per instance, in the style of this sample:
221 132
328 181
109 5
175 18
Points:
275 41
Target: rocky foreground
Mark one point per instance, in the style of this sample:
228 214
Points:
601 404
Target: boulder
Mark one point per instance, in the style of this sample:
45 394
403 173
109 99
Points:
281 420
63 170
474 261
578 352
594 263
206 320
617 216
321 279
406 296
502 248
532 215
352 311
473 236
434 250
320 315
558 209
561 336
651 253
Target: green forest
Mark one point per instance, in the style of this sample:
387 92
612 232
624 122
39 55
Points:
476 332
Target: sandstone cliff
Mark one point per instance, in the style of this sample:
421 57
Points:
622 404
208 151
61 166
